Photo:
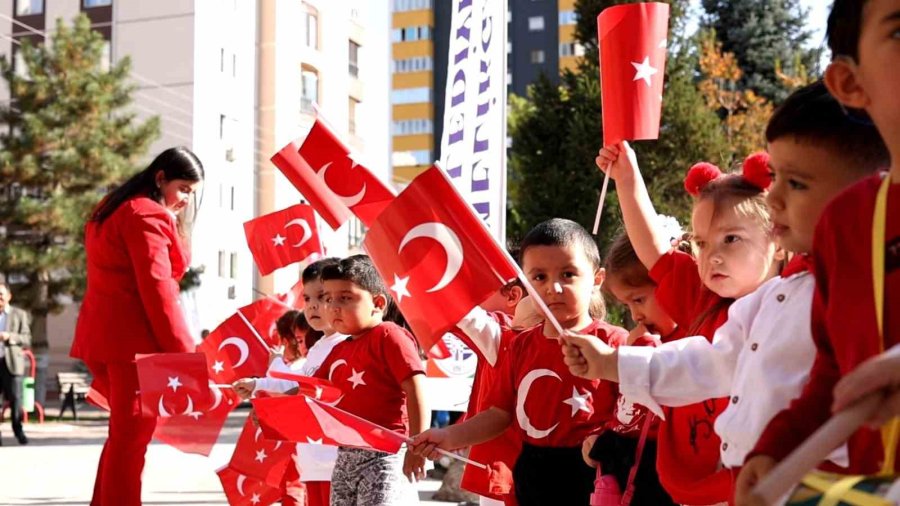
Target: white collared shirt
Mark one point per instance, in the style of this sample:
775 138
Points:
760 358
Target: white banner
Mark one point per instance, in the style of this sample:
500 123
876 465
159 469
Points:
473 144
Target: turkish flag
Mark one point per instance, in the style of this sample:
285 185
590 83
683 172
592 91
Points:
316 388
632 67
235 350
264 313
172 383
198 432
242 490
293 298
331 178
436 256
283 237
260 458
306 420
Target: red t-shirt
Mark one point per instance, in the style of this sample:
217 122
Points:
687 457
369 370
843 320
550 406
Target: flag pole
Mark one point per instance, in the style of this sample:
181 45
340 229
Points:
602 199
272 298
253 330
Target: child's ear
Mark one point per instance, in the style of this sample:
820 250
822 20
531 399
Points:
843 84
514 296
599 277
380 301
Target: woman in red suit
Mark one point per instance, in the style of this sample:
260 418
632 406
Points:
135 257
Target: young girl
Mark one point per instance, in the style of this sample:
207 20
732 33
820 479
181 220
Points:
553 410
735 255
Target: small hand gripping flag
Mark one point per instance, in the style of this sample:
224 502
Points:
332 178
632 66
436 257
283 237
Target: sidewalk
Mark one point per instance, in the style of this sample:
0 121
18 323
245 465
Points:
57 467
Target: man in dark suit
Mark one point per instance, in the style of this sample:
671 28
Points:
15 336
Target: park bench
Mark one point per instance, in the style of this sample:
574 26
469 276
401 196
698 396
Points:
73 387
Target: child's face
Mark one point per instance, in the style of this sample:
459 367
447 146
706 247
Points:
565 280
641 302
300 337
313 299
735 254
806 177
351 309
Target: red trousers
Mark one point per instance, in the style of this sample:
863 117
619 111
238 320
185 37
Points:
118 481
318 493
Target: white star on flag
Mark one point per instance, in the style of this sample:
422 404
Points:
260 456
399 287
255 498
356 378
278 240
578 402
644 70
313 441
218 366
174 382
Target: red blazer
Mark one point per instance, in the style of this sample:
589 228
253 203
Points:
134 262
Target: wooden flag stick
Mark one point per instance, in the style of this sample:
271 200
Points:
221 385
273 299
790 471
602 200
253 330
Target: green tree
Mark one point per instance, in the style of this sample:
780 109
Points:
768 38
68 138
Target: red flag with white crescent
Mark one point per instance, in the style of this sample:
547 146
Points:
281 238
258 457
172 383
198 431
234 350
243 490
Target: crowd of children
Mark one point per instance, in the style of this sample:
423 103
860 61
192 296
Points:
777 314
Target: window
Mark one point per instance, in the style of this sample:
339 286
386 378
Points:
19 65
351 123
312 28
106 56
310 91
233 64
411 33
356 233
567 49
405 158
96 3
411 96
222 59
415 64
29 7
535 23
413 127
222 121
537 56
233 271
232 199
223 269
568 17
411 5
354 59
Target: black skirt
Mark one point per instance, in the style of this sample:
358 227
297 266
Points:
547 476
616 456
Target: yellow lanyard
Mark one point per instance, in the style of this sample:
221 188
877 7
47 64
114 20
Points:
890 432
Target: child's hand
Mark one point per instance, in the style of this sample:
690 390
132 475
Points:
413 467
881 372
589 357
244 387
425 443
752 473
586 447
619 159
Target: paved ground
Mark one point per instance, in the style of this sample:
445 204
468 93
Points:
57 468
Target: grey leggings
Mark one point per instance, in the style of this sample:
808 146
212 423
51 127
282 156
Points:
370 478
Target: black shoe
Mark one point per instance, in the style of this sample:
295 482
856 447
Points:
21 438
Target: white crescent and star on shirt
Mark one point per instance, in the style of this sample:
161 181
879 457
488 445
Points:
579 401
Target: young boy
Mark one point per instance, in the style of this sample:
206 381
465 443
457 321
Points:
855 309
762 356
381 375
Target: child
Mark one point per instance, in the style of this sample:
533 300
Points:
761 357
381 375
855 307
554 411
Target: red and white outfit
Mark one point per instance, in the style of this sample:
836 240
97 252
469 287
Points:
134 261
844 325
315 463
687 446
760 359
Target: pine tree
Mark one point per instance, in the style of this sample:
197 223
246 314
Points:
68 138
767 37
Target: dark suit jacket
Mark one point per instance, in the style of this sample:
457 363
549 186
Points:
18 323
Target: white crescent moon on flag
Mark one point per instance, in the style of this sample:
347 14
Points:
240 484
447 238
307 230
163 413
521 415
217 395
256 436
348 200
241 345
335 365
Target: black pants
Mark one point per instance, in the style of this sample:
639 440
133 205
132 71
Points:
616 456
552 476
10 385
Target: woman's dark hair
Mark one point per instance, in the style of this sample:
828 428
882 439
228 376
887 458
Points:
845 27
175 163
310 335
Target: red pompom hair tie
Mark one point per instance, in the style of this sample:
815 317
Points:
699 176
756 170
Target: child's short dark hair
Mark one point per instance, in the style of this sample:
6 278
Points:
360 270
313 271
812 115
623 264
286 322
561 232
845 27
